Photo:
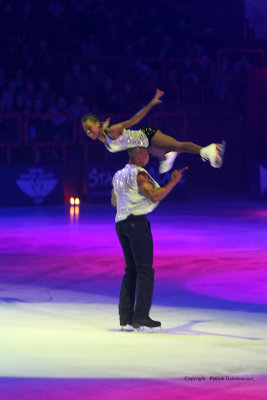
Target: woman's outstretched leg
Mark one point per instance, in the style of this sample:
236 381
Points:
168 143
213 152
156 152
166 159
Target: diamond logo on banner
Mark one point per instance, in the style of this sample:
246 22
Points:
37 184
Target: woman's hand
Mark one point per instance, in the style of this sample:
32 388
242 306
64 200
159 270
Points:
156 98
106 123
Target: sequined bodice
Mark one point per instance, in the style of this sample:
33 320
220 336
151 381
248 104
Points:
127 140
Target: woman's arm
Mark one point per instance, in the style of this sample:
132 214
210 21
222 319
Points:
139 115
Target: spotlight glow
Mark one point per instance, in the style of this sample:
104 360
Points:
71 213
74 213
77 201
72 201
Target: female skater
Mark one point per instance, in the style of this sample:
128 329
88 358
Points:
118 137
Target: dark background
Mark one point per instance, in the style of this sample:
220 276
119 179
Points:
63 58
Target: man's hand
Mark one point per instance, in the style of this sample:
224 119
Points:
177 175
153 194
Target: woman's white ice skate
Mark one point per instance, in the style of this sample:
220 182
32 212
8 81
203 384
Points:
166 165
214 153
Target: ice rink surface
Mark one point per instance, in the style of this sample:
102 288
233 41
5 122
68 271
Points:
60 280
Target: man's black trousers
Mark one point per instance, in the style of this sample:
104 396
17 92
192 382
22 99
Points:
137 285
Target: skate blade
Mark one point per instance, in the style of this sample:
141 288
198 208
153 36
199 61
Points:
219 161
127 328
223 146
146 329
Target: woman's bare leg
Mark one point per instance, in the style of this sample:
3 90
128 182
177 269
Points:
158 153
168 143
213 152
166 158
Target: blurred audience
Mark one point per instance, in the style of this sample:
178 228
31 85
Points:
88 56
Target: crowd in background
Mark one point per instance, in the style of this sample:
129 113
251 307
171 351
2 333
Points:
73 57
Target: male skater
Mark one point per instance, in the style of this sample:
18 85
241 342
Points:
135 193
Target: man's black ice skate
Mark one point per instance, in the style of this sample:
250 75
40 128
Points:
126 323
146 322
